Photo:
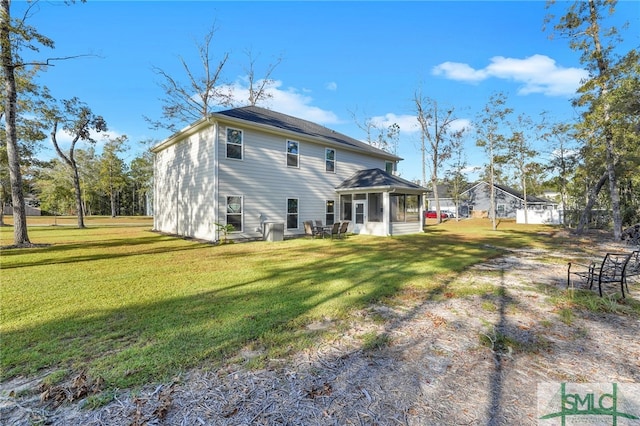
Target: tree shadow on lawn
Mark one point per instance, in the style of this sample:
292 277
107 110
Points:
94 250
135 344
499 388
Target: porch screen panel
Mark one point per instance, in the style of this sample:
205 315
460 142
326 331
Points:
345 207
405 208
397 208
375 207
412 208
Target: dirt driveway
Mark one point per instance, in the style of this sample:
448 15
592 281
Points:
470 360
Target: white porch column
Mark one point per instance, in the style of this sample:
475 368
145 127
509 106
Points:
386 212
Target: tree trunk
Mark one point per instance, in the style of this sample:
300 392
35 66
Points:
113 202
526 203
603 70
591 200
436 198
20 235
78 191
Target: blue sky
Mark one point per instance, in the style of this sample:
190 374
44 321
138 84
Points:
337 58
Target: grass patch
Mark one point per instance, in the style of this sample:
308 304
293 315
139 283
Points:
489 306
372 341
133 307
569 301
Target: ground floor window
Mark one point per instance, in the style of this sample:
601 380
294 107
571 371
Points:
405 208
234 212
501 211
330 212
292 213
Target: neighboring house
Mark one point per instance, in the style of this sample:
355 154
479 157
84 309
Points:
445 199
250 166
477 201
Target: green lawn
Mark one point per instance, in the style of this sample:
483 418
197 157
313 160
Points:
131 306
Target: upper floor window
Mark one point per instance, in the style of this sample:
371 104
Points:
293 154
234 143
389 167
330 160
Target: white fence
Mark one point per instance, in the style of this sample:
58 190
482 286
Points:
540 217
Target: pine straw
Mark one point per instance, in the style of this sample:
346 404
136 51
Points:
451 361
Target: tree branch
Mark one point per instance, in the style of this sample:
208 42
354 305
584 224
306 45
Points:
48 61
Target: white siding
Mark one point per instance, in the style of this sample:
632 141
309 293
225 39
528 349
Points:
265 182
184 187
398 228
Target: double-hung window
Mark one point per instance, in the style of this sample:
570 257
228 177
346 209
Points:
292 213
234 212
330 160
293 154
330 212
234 143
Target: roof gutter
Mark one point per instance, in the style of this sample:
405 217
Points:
182 134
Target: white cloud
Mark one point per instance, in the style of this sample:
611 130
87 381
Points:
537 73
288 101
461 124
64 138
332 86
459 71
407 123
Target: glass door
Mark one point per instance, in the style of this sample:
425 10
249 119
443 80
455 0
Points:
360 216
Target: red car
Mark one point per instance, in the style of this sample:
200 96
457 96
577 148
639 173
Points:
431 214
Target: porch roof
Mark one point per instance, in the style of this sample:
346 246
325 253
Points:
378 179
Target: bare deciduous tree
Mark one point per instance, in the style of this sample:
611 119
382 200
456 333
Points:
258 87
436 142
184 103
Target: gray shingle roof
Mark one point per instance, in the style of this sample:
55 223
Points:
286 122
513 192
517 194
375 178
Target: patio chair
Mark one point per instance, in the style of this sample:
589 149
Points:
335 230
343 229
311 230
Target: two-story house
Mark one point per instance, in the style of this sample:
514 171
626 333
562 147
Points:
250 166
